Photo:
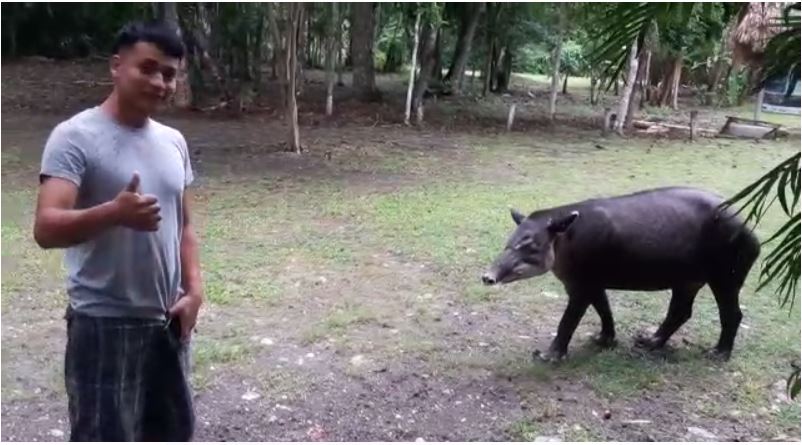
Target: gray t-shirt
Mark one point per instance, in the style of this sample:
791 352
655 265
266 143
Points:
122 272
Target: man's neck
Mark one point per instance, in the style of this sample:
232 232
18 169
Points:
123 114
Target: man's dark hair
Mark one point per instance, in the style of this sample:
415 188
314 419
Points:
162 34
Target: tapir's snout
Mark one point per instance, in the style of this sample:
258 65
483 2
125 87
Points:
489 278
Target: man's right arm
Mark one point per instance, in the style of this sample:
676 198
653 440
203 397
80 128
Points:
57 224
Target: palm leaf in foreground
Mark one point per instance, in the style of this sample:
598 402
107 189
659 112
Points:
782 265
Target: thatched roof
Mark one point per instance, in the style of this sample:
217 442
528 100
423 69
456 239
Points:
757 25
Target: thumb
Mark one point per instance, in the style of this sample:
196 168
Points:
173 310
133 186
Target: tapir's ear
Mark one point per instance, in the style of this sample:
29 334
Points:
517 216
561 224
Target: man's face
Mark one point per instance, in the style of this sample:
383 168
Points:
144 76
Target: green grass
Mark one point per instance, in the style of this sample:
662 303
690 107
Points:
523 431
544 81
338 321
747 111
209 355
260 240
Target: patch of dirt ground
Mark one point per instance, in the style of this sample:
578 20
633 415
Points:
380 346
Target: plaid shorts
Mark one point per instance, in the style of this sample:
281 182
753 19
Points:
127 380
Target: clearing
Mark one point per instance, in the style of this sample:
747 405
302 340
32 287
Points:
344 293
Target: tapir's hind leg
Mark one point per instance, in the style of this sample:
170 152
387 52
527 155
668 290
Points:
601 303
679 311
726 280
730 315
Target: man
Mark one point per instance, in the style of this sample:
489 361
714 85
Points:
113 193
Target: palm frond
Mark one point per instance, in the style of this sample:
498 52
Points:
757 194
782 265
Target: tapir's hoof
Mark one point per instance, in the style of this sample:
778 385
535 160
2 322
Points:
649 342
548 356
604 341
718 355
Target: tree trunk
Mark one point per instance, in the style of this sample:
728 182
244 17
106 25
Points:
669 86
719 63
664 93
555 63
200 32
473 78
715 78
279 52
331 45
257 52
291 57
505 75
565 84
677 76
631 76
725 84
308 37
410 86
748 86
637 90
274 61
427 61
437 70
340 48
362 24
498 51
300 48
593 81
168 12
646 80
456 72
488 71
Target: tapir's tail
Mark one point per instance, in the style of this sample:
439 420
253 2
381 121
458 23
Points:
736 242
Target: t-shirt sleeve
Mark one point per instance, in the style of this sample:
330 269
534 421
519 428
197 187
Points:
189 175
62 158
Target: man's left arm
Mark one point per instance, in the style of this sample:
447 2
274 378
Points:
186 308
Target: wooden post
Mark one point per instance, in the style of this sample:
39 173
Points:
692 125
608 114
511 117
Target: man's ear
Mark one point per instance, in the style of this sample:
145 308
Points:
114 64
561 224
517 216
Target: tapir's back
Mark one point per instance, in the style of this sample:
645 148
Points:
646 240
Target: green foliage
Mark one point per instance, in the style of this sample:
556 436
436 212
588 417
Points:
782 265
781 184
572 59
680 26
782 53
735 85
65 30
390 50
535 58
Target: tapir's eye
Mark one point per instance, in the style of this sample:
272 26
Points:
526 243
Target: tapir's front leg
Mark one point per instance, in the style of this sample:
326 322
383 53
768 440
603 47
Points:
577 305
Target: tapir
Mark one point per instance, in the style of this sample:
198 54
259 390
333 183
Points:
676 238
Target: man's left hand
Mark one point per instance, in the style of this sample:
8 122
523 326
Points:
186 309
